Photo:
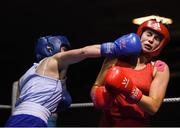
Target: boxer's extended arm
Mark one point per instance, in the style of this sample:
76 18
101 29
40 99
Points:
77 55
126 45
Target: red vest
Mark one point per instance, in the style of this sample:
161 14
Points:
124 114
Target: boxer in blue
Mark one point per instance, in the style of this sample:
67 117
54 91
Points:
43 87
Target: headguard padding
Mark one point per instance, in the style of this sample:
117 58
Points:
50 45
159 28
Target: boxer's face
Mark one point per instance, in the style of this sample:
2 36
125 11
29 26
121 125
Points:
150 40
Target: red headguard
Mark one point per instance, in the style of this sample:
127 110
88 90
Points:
158 27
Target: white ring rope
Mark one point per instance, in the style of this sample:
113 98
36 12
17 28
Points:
90 104
171 100
166 100
5 107
82 105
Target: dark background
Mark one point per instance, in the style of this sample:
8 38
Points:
84 22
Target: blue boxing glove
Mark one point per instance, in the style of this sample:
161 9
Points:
65 102
126 45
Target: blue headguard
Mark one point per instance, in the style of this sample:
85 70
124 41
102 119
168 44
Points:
50 45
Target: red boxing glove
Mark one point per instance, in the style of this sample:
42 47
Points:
117 81
101 98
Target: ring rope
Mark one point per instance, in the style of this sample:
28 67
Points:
166 100
90 104
5 107
82 105
171 100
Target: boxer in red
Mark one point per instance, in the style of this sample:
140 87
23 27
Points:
129 89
